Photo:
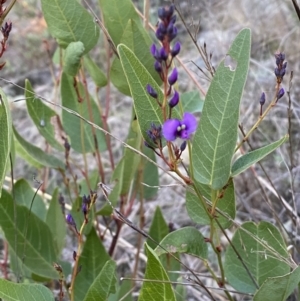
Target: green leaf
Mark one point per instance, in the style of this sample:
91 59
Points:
24 194
186 240
41 115
56 222
72 58
155 271
92 260
69 22
79 131
278 288
262 259
158 229
180 292
104 284
10 291
35 155
95 72
116 15
226 205
131 159
216 136
191 102
29 237
150 174
245 161
146 107
137 39
5 136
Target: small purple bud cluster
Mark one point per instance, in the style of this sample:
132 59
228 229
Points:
280 93
86 202
71 222
154 134
281 66
166 31
6 29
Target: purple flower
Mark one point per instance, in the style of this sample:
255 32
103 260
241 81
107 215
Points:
174 128
158 66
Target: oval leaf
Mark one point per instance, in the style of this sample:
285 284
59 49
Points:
104 284
10 291
152 291
245 161
262 262
186 240
5 136
95 72
278 288
69 22
72 58
216 136
34 239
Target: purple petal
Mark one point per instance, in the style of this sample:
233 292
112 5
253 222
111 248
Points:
170 129
190 122
173 77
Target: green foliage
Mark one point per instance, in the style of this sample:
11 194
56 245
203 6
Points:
92 260
278 288
244 162
56 222
155 271
69 22
95 72
216 136
5 136
104 284
42 116
186 240
35 155
29 237
262 250
225 205
10 291
79 132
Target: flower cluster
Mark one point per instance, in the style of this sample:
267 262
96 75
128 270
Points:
172 128
281 66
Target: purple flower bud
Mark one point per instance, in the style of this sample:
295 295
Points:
262 99
173 77
280 93
161 13
277 72
176 49
173 35
151 91
153 50
284 65
183 146
159 34
169 11
170 28
84 208
173 19
70 221
174 100
163 54
158 66
280 57
282 72
154 133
